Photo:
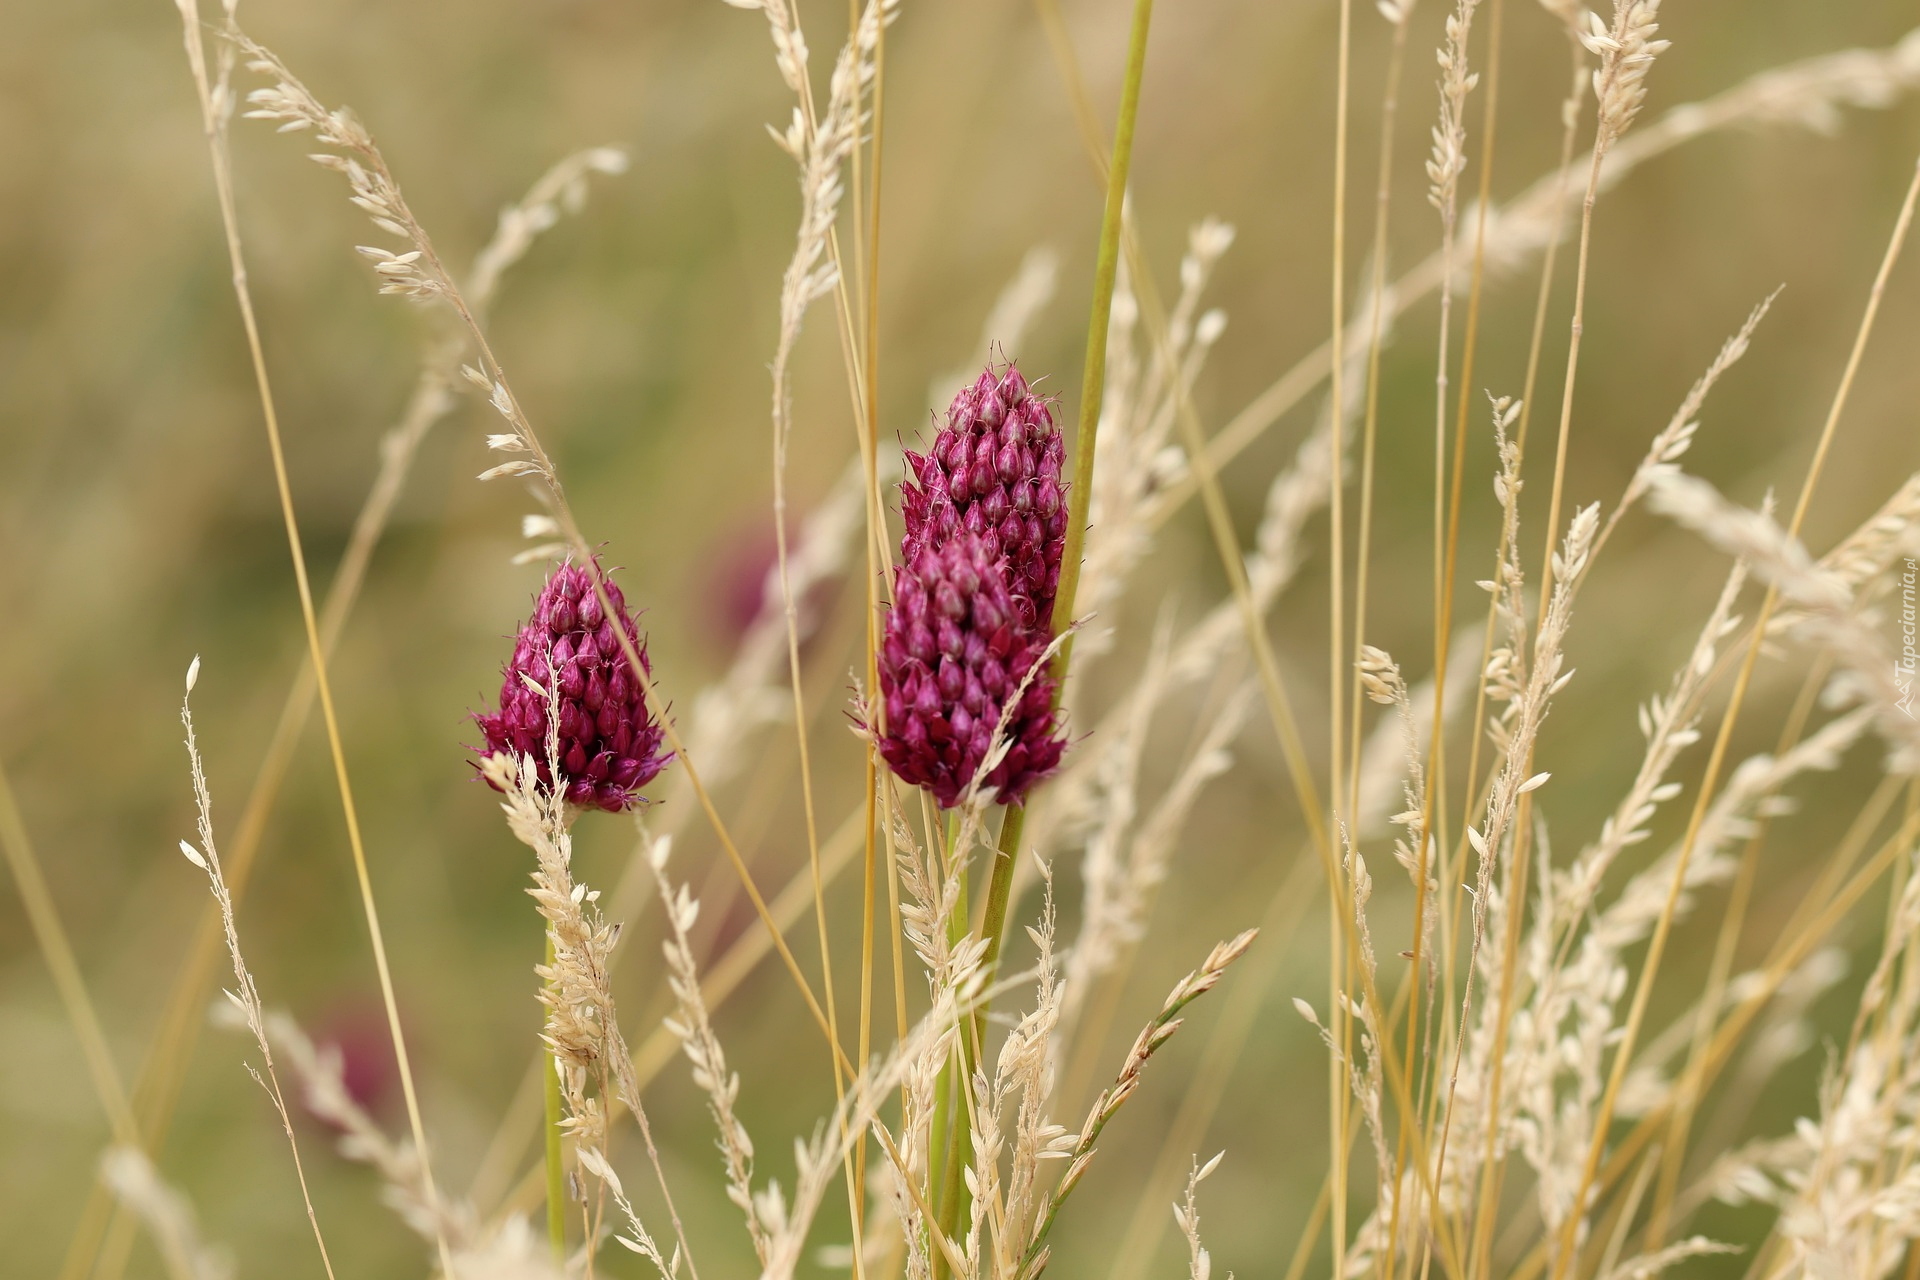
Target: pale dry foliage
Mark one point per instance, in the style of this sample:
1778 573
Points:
1520 1114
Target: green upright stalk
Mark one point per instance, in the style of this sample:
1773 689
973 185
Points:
556 1167
952 1121
999 890
1093 383
1092 386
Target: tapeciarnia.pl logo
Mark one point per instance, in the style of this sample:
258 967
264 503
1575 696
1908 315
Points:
1903 666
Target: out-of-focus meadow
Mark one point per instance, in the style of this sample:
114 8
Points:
141 526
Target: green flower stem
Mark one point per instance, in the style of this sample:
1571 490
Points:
952 1125
999 891
954 1199
1092 387
556 1167
1093 383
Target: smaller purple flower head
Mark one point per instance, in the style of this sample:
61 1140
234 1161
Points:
994 470
354 1033
954 656
609 745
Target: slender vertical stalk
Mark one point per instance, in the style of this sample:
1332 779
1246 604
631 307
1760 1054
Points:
214 127
793 305
1092 387
1006 857
1337 895
1436 820
950 1112
57 950
1577 330
1563 1257
1383 188
1492 1160
1369 431
869 410
1449 160
1094 378
1433 802
1689 1084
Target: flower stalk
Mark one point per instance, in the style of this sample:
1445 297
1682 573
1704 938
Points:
1093 383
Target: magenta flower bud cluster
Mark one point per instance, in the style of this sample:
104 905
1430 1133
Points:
972 611
609 746
994 470
954 656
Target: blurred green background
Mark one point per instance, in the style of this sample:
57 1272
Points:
140 524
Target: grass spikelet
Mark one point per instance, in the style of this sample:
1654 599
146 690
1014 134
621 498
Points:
695 1031
164 1212
1626 50
1025 1069
582 1030
1155 1034
1187 1215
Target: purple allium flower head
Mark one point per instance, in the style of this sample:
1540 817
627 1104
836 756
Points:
609 744
994 470
954 653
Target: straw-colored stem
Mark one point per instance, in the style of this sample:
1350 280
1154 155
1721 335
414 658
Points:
869 409
1220 525
1492 1161
223 183
1732 922
854 314
782 431
1576 330
1656 946
1370 425
1202 475
1792 950
163 1073
57 950
1545 588
1433 804
1338 897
